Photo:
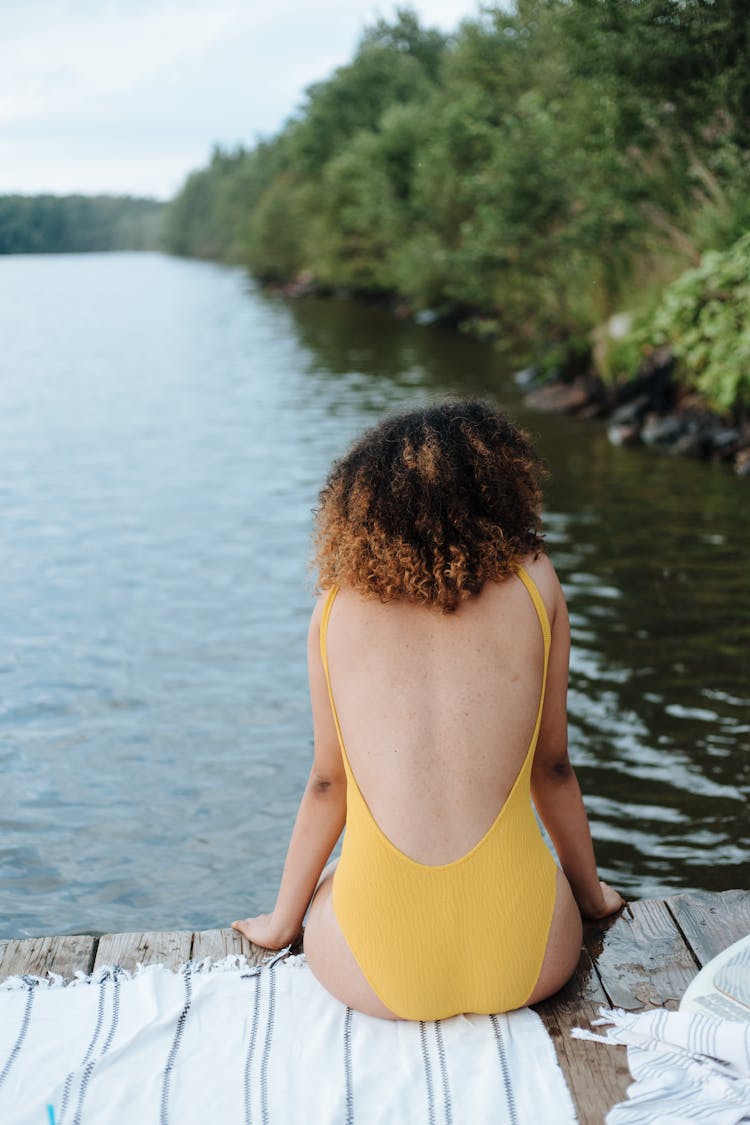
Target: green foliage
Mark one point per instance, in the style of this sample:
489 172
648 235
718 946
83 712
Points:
672 62
207 217
393 65
545 166
408 38
349 241
617 358
49 224
705 316
273 239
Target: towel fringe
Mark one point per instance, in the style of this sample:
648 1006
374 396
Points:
233 962
592 1037
607 1016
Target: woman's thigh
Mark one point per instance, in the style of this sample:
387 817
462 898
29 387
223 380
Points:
563 944
330 958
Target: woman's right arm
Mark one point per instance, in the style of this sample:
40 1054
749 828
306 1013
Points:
554 785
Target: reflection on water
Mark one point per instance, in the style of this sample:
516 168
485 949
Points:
652 553
162 439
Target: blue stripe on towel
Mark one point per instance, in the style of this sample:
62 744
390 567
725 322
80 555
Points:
427 1073
349 1119
89 1050
89 1068
179 1030
251 1046
508 1086
259 974
267 1045
31 984
447 1108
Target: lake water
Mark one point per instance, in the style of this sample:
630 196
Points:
164 430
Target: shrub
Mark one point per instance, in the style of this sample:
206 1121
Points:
705 316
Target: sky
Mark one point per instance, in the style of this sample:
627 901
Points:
128 96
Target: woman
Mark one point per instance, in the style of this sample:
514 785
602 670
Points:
438 664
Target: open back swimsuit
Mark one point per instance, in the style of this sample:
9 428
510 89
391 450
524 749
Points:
466 936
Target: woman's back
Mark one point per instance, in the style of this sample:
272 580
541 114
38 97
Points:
437 711
423 928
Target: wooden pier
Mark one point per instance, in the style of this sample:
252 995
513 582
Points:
644 958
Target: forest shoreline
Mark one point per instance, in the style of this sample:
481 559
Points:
542 172
648 408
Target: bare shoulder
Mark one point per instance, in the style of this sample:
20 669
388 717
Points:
316 616
318 607
541 570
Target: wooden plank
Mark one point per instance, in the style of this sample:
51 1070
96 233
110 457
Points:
711 922
641 957
221 943
597 1076
170 948
65 955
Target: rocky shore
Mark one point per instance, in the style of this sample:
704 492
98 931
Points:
650 409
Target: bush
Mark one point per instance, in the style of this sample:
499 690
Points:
705 316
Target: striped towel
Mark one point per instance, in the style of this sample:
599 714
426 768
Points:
230 1044
686 1066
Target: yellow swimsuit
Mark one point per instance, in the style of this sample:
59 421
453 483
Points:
466 936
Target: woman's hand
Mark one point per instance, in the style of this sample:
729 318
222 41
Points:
611 901
265 931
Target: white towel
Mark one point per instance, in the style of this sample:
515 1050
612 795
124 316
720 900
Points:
686 1066
229 1044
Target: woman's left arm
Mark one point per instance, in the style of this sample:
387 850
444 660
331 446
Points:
320 818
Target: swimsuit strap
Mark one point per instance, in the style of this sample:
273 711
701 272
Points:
324 656
541 612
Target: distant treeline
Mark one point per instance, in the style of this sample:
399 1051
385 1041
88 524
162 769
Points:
48 224
541 168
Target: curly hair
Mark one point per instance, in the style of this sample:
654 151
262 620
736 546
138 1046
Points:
429 505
